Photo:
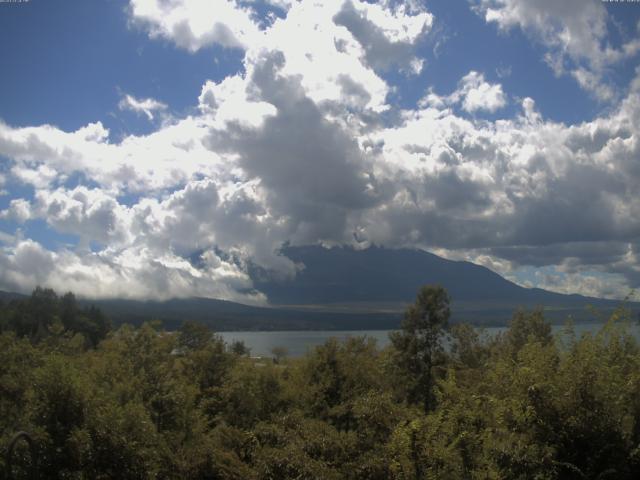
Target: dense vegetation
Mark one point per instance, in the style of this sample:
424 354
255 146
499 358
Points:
143 403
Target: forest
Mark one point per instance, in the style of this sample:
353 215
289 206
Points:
443 401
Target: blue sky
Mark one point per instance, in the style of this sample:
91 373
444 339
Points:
88 52
67 62
135 133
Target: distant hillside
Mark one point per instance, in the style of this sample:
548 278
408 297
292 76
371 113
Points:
224 316
8 296
343 288
387 277
343 275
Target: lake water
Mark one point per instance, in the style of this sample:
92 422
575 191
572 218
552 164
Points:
298 343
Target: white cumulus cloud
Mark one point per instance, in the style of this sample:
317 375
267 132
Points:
575 33
473 94
195 24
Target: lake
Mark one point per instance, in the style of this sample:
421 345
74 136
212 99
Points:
299 342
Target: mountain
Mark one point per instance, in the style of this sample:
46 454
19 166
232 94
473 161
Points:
222 315
345 288
381 279
348 289
225 316
8 296
344 275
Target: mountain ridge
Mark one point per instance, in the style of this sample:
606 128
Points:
383 274
349 289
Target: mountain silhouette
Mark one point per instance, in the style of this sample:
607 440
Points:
367 289
375 274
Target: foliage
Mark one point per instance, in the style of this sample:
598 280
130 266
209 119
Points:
44 314
418 345
147 404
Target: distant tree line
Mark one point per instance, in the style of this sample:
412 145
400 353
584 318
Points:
141 403
45 314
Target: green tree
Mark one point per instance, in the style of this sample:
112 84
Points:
335 375
194 336
528 326
238 347
33 317
418 345
279 354
69 311
94 325
468 350
251 394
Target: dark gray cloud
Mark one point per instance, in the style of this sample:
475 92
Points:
381 52
313 170
583 253
579 206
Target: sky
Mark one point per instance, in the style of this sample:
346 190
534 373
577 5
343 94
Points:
162 148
